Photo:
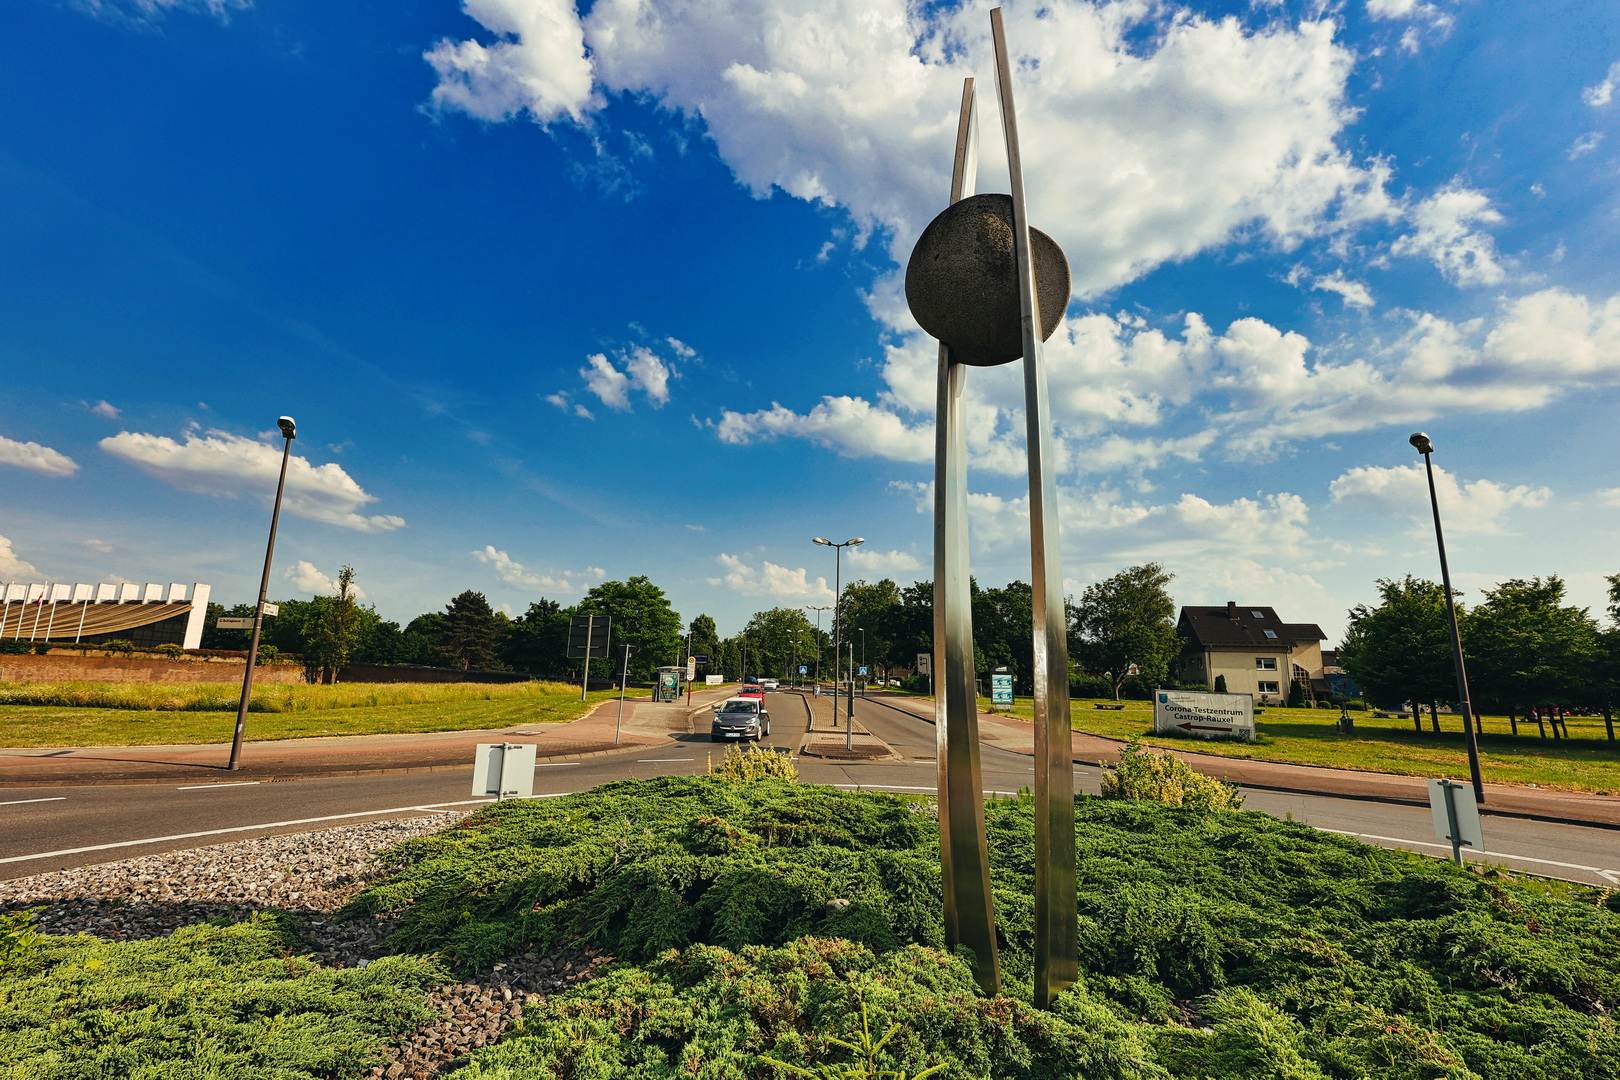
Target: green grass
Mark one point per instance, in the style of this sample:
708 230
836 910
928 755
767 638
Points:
78 714
1587 761
756 919
209 1002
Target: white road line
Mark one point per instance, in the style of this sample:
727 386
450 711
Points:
1607 875
650 760
236 829
19 802
553 764
208 787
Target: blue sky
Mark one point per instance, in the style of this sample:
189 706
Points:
558 295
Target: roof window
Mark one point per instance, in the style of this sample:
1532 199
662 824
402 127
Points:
1272 634
1257 614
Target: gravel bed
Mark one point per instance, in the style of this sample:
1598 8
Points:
311 875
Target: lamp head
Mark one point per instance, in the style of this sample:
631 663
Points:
289 428
823 541
857 542
1421 443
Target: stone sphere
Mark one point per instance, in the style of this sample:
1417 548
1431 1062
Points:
962 285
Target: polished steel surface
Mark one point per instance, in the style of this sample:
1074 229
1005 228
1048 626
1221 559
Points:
1470 727
1056 918
963 854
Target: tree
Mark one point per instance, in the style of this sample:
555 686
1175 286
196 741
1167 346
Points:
337 626
1526 648
1123 620
1003 631
642 619
469 632
778 637
876 608
703 639
537 640
1401 650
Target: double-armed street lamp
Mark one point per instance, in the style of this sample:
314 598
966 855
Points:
838 602
289 432
1420 442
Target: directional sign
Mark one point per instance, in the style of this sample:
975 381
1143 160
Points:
702 658
1203 716
589 633
925 663
1001 690
270 609
227 623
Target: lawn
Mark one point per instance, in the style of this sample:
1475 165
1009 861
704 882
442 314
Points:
1587 761
78 714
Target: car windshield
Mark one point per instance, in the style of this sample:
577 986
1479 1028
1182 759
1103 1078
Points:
739 707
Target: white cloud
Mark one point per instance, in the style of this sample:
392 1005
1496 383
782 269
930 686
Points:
97 545
1610 496
137 12
537 66
852 426
610 385
1161 133
36 458
222 464
1355 293
1585 145
638 369
102 408
1446 236
870 561
650 374
770 580
1477 506
14 566
1601 93
307 577
513 572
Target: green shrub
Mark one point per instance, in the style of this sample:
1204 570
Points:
207 1003
1220 684
1090 686
19 940
1166 779
170 650
15 647
755 763
120 646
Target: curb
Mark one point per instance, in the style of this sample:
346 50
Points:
1521 815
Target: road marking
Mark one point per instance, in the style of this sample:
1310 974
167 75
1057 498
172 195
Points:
205 787
236 829
19 802
553 764
1607 875
649 760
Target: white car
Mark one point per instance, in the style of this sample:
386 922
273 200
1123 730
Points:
740 718
769 684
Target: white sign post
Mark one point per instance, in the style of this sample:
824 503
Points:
1456 816
504 770
1203 716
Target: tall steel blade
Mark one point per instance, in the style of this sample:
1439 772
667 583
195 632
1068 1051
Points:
1057 962
963 854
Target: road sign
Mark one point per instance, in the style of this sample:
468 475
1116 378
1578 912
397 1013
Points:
702 658
227 623
862 669
1203 716
1456 816
270 609
925 663
1001 690
803 670
691 668
504 770
713 680
589 632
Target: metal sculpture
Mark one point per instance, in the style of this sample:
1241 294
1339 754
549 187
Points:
991 289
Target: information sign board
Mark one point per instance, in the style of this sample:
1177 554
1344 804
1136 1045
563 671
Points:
225 622
270 609
713 680
691 668
1456 816
504 770
925 663
589 633
1001 690
1204 716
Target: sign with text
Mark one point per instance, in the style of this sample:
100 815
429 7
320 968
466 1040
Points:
925 663
226 622
691 668
588 635
1203 716
713 680
270 609
1001 690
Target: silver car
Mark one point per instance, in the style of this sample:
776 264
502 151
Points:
740 718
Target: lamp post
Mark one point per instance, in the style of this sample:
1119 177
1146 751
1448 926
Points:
289 432
819 648
864 679
838 601
1420 442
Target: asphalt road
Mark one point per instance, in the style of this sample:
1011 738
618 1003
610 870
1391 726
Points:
48 829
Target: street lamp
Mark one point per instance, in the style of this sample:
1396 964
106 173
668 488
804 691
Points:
819 648
289 432
1420 442
838 600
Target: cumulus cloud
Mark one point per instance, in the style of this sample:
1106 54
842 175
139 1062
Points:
36 458
1141 147
102 408
638 368
1446 236
1354 293
12 565
866 560
97 545
513 572
770 580
852 426
308 577
222 464
1601 92
1477 506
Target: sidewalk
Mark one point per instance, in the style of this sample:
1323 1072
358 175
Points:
1543 804
646 723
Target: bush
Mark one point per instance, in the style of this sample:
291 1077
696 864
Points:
170 650
119 645
206 1003
917 684
1167 780
1091 686
755 763
15 647
1220 684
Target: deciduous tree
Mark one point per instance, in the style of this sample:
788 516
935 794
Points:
1123 620
1527 648
1400 650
